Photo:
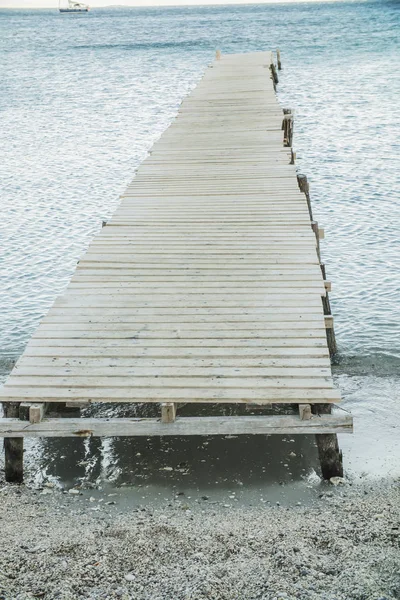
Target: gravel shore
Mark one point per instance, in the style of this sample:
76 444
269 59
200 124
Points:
63 545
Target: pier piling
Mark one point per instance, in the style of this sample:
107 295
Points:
278 59
330 456
13 448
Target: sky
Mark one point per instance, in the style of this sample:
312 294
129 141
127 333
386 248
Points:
100 3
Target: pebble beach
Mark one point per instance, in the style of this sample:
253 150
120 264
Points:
66 544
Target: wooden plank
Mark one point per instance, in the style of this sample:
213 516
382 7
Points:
246 243
138 370
249 288
170 321
260 425
131 382
227 361
197 307
260 301
186 329
9 393
197 266
199 260
110 277
179 343
185 352
194 292
291 255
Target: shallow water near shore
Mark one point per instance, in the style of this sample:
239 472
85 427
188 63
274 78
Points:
82 101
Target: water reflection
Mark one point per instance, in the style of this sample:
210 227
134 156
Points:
208 466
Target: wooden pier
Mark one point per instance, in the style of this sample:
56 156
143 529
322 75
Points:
205 287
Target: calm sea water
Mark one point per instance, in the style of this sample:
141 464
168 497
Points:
83 97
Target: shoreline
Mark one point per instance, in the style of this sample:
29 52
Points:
63 545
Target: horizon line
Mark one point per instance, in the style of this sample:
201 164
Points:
185 3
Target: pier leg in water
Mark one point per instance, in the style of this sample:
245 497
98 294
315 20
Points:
13 449
330 456
330 332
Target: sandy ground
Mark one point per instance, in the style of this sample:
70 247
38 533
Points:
58 544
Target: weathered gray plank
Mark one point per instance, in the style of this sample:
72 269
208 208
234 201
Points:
181 426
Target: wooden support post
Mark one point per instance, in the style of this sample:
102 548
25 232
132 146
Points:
330 456
168 412
305 411
23 411
303 183
32 412
287 126
292 157
325 299
36 413
330 332
274 74
331 339
218 55
305 188
314 227
103 223
278 59
13 448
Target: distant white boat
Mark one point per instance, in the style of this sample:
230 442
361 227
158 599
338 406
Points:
73 7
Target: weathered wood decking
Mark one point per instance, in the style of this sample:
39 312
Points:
205 286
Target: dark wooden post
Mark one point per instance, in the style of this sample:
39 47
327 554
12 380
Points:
330 331
278 59
287 126
330 456
13 448
315 228
305 188
274 75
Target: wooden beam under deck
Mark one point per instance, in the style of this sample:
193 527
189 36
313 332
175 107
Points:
182 426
